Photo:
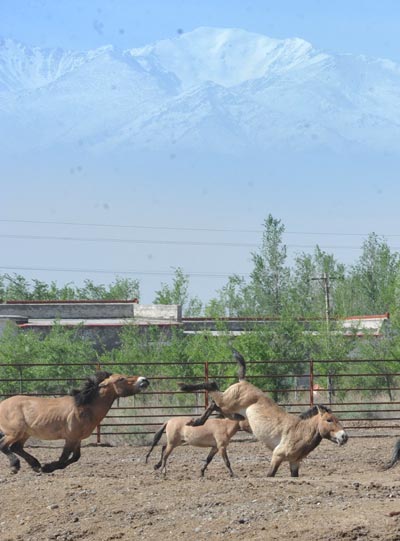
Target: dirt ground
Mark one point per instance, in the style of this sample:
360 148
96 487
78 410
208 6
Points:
111 493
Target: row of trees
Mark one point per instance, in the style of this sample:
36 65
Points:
57 361
274 288
291 294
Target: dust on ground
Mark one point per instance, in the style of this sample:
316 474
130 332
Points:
341 494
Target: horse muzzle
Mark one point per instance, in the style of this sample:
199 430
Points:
340 437
143 383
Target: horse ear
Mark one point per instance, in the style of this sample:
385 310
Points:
320 410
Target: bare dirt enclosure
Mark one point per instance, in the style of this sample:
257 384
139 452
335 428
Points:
111 493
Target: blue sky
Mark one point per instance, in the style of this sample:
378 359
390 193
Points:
358 26
338 207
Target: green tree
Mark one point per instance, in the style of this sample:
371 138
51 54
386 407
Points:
233 300
269 278
54 358
178 293
372 282
16 287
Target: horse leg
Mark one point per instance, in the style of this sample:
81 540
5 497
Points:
226 460
18 449
64 460
13 448
276 461
158 465
294 469
76 455
15 463
167 452
211 455
206 414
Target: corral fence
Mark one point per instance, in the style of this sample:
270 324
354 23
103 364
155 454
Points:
364 394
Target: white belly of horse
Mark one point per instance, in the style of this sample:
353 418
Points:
266 429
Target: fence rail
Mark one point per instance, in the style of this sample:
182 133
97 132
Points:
365 394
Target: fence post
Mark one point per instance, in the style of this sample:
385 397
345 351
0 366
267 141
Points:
206 379
20 379
98 429
311 383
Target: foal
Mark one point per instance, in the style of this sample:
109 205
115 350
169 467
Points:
71 418
290 437
215 433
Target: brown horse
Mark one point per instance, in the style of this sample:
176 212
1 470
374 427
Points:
215 433
71 418
290 437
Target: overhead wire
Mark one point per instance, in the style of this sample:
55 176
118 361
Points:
166 242
120 272
180 228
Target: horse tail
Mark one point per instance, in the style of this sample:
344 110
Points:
242 364
395 456
191 387
157 437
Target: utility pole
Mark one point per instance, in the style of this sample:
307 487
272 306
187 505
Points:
325 284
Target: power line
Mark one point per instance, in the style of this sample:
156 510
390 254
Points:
126 226
129 241
204 229
135 272
167 242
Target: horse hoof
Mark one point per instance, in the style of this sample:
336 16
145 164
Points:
47 468
14 470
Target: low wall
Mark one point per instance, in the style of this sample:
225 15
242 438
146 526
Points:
76 310
92 310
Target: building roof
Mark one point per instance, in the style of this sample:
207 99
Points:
361 325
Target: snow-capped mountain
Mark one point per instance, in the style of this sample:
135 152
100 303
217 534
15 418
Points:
225 90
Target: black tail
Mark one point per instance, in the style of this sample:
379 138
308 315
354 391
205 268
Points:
157 438
206 386
395 456
242 364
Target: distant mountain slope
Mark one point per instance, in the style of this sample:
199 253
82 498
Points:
225 90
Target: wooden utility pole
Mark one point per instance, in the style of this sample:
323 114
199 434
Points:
325 284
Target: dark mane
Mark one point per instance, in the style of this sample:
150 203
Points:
90 389
313 411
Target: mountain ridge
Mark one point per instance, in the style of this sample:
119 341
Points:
210 89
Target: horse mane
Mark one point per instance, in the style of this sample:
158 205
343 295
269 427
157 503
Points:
90 389
313 411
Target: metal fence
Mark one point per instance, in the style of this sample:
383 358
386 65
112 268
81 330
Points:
365 394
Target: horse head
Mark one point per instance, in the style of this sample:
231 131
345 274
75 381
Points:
125 385
329 426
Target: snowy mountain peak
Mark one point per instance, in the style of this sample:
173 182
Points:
212 89
226 56
22 67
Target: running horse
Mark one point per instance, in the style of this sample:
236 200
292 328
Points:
71 418
290 437
215 433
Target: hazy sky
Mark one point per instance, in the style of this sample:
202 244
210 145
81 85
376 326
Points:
176 216
358 26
